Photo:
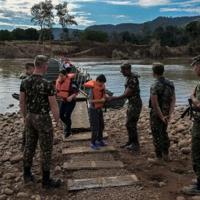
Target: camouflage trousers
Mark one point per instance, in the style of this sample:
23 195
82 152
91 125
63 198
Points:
133 114
38 127
160 136
196 147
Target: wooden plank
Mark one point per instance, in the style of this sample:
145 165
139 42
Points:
80 118
92 165
81 137
102 182
79 150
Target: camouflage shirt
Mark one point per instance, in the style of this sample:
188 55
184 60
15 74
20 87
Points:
197 91
164 89
132 83
37 90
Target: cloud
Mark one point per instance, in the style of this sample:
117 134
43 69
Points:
191 6
122 3
19 12
84 21
142 3
149 3
189 10
120 16
17 25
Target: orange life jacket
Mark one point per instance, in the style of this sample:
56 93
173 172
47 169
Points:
98 91
63 88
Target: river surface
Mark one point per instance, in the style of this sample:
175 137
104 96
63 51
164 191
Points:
181 73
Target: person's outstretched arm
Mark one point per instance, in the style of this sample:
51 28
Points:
22 104
54 108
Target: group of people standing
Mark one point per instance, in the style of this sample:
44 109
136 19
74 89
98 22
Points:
38 97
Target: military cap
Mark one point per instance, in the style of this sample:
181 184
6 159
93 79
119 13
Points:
196 60
126 65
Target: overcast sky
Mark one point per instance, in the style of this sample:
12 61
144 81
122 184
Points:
16 13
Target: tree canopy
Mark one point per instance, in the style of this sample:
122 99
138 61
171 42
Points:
43 16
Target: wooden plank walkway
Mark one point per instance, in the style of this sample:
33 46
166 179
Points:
108 167
80 117
92 165
101 182
84 149
81 137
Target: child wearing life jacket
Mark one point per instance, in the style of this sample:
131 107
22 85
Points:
97 98
67 92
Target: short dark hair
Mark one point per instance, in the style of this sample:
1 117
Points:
101 78
126 65
63 71
29 65
40 60
195 60
158 68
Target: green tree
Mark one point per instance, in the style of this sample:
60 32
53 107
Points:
19 34
5 35
65 18
31 34
126 37
97 36
134 39
193 29
158 33
76 34
43 15
47 34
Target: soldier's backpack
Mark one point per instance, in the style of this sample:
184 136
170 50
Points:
166 94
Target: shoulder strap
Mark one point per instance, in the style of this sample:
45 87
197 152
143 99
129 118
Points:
166 83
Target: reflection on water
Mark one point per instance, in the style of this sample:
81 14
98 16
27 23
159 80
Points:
182 75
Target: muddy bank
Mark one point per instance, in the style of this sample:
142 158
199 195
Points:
158 181
30 49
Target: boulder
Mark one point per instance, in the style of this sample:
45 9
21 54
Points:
9 176
180 198
8 191
196 198
3 197
186 150
16 159
183 143
22 195
180 128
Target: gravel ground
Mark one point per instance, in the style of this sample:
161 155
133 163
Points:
158 181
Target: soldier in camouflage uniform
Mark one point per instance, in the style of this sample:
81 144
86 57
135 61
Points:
29 69
37 97
132 93
195 188
162 102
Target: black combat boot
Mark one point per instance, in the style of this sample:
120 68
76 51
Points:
28 177
48 183
133 147
193 189
67 131
125 145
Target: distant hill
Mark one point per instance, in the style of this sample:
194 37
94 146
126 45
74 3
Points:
149 26
133 28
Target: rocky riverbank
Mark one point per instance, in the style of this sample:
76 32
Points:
29 49
161 181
